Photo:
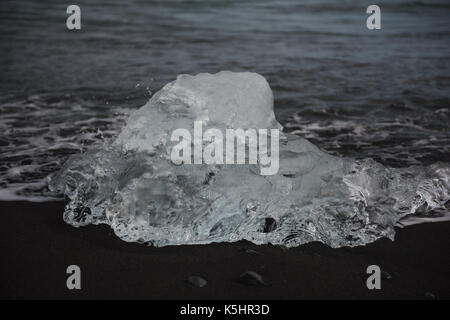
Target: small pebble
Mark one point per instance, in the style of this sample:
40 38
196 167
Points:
252 278
197 281
385 275
430 295
282 247
250 251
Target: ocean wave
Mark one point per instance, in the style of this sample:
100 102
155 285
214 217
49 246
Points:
39 132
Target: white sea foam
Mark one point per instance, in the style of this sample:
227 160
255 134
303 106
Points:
18 192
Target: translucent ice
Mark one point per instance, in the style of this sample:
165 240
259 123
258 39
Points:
133 186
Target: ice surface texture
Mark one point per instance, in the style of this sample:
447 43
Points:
133 186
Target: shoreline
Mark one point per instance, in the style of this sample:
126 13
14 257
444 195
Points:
38 246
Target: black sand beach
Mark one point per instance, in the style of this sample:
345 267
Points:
37 246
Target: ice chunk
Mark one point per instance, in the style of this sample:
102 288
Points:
133 186
226 99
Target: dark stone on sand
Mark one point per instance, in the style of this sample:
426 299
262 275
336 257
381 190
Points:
250 251
385 275
197 281
270 225
282 247
430 295
252 278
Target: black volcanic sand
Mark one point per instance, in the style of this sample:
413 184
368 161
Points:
37 246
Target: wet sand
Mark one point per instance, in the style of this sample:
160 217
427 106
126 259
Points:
37 246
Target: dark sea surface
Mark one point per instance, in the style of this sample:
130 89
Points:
381 94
